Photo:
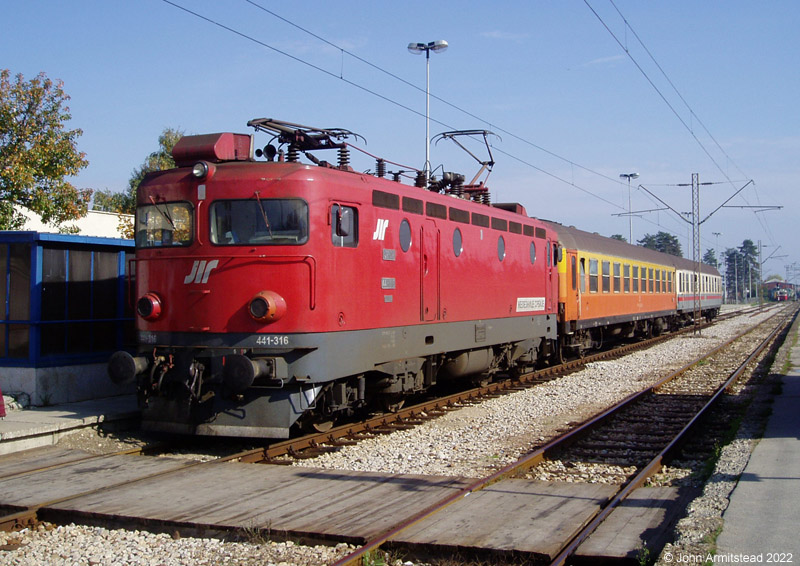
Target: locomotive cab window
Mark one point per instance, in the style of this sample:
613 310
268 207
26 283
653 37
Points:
164 224
344 226
275 222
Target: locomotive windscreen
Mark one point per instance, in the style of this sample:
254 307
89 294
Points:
264 222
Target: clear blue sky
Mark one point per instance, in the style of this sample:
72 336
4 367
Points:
571 107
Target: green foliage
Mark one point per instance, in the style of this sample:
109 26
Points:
710 257
662 242
742 270
619 237
159 160
37 152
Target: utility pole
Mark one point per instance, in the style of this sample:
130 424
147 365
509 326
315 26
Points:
696 222
760 273
696 244
719 262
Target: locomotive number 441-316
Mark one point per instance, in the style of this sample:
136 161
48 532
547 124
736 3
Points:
271 340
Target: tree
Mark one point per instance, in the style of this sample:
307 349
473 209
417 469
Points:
710 257
125 202
733 273
662 242
742 270
619 237
37 153
749 255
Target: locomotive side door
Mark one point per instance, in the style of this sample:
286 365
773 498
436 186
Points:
429 271
551 280
573 286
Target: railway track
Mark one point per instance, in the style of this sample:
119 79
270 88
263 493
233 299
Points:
677 404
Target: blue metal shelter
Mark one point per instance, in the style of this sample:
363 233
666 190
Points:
63 298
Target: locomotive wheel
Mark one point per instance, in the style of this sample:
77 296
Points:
316 423
322 426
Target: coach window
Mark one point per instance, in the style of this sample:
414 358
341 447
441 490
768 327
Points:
405 235
593 276
635 278
606 276
583 275
344 226
658 280
626 278
616 277
651 287
669 282
457 242
533 253
501 248
573 268
644 279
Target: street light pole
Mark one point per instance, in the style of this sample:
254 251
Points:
629 176
416 49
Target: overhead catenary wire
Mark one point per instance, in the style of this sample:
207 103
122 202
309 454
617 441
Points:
623 46
390 100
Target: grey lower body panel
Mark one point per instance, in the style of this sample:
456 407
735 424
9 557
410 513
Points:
312 360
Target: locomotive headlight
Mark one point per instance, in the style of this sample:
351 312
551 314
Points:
267 306
202 169
149 306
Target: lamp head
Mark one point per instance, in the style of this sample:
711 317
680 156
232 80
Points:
437 46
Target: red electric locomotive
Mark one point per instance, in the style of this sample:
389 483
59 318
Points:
272 293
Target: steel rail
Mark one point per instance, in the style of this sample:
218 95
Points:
527 461
654 466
